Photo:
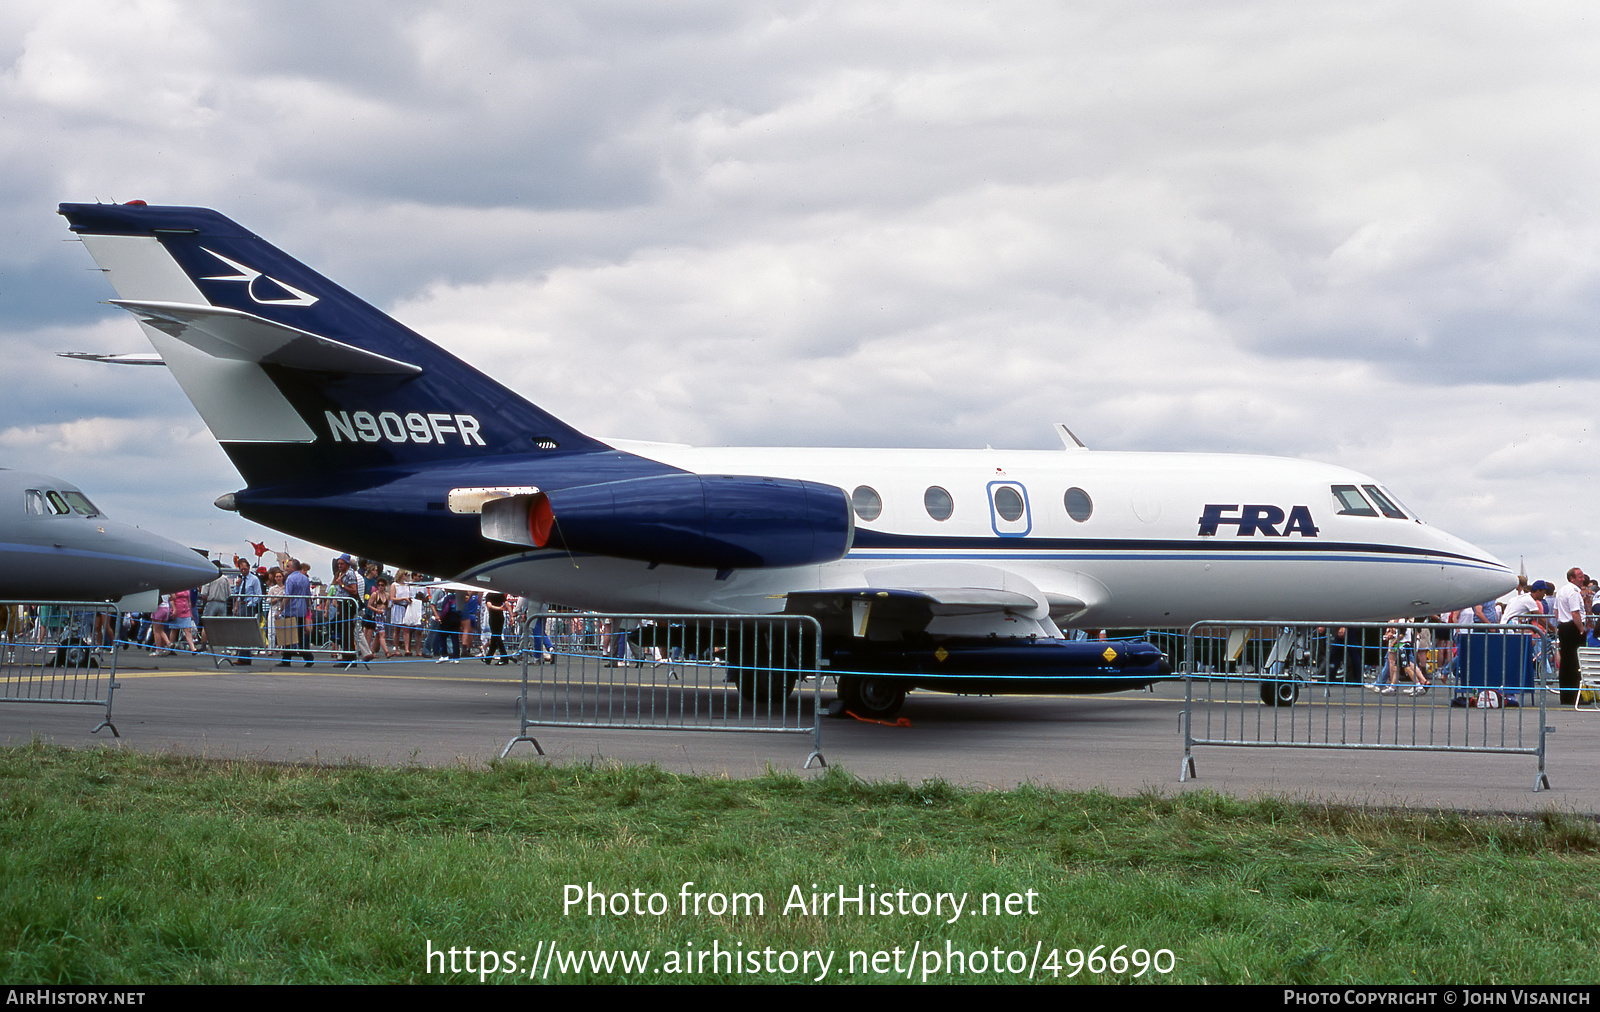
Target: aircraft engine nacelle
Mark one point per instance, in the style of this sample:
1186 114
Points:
704 521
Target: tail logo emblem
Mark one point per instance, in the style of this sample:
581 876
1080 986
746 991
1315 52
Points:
264 290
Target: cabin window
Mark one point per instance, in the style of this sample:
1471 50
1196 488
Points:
1008 503
866 502
1349 502
1079 506
938 503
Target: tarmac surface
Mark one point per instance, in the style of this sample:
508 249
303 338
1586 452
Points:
420 712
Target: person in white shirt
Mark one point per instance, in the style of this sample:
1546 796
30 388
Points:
1570 625
1529 607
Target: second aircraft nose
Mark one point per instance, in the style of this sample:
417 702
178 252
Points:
165 565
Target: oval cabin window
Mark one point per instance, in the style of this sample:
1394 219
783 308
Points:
1079 506
866 502
1008 502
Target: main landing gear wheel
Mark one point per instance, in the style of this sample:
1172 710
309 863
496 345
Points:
72 653
762 686
765 676
1280 693
849 692
879 698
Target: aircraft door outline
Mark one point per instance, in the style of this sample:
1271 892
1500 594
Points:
1009 512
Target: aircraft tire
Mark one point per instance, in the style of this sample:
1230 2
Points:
1279 693
878 698
761 687
72 653
849 688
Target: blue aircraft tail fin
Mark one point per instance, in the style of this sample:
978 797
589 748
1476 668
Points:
295 376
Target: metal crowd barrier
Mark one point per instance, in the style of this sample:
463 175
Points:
1398 686
671 672
1588 679
52 652
331 626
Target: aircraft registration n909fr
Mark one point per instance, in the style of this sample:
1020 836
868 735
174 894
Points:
951 569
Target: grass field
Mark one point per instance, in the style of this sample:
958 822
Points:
122 867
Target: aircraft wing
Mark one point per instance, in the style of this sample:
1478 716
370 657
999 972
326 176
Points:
906 598
883 612
233 334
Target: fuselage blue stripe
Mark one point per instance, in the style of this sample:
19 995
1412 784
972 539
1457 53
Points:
1215 547
58 551
1108 556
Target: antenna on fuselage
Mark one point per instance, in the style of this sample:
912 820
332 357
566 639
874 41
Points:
1068 440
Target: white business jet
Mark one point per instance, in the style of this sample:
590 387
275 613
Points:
945 569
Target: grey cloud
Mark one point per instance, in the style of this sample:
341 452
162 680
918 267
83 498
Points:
47 389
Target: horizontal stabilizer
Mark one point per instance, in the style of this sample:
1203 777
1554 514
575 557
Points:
127 358
244 337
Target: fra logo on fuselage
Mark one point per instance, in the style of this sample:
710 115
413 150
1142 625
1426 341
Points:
1265 519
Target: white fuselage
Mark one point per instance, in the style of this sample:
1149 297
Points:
1137 559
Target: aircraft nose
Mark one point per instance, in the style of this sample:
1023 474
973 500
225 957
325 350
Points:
169 565
187 571
1490 582
1480 577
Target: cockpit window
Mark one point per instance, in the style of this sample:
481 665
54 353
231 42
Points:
1400 505
1350 503
1384 503
80 504
58 505
33 503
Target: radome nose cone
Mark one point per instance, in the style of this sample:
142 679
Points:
168 566
1490 579
187 573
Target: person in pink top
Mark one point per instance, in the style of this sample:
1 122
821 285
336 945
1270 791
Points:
183 617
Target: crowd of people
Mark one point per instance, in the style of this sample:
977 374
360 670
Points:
362 612
1414 657
359 614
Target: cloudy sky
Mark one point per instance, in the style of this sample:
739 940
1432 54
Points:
1364 233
